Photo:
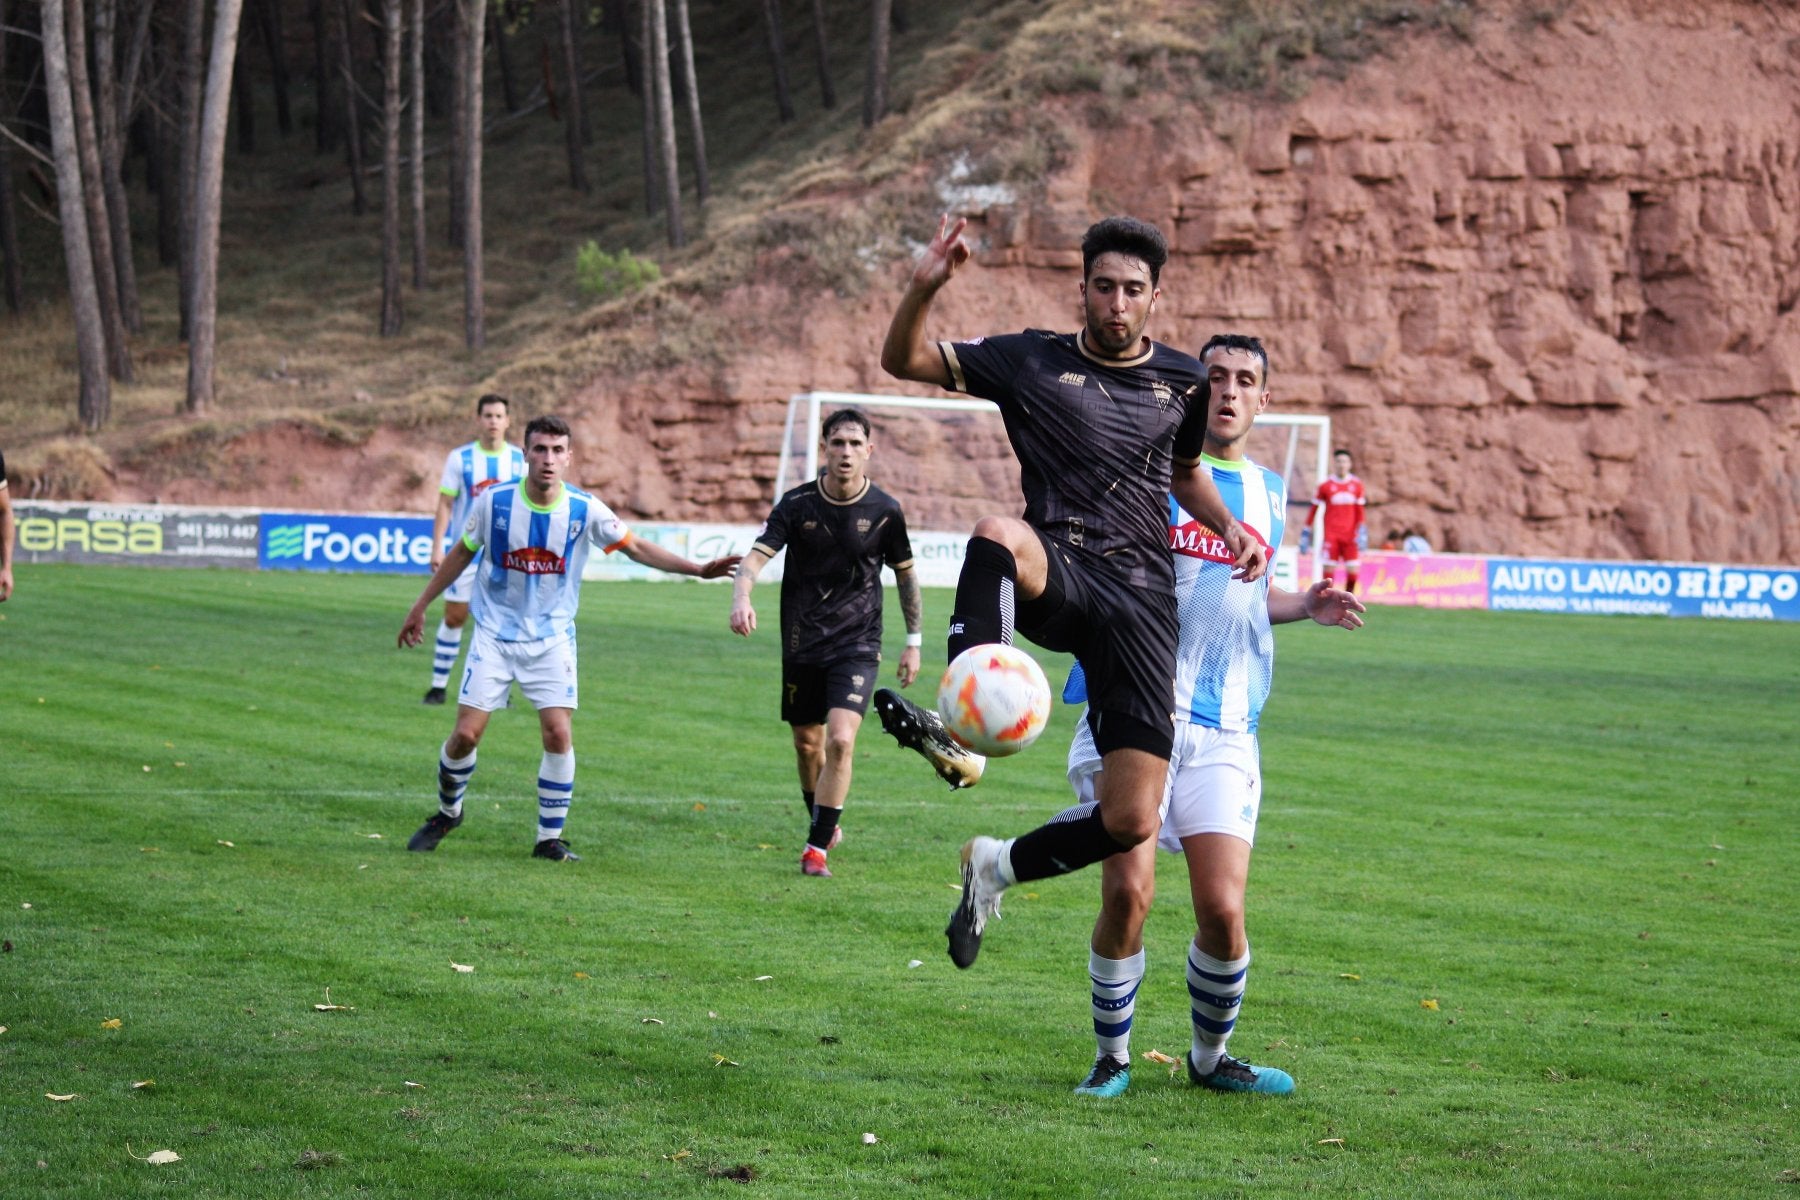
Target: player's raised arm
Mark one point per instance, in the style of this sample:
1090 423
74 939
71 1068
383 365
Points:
458 558
905 354
743 613
1321 602
1194 488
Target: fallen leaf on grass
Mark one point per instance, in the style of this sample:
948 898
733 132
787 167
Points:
26 904
699 807
650 1021
914 962
713 1015
149 849
582 975
373 837
870 1139
1157 1056
143 1083
764 978
114 1023
679 1155
764 846
411 1084
462 968
227 844
1348 975
2 1029
719 1060
328 1006
1430 1004
1330 1142
155 1157
59 1099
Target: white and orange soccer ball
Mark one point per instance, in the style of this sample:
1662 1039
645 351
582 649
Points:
994 699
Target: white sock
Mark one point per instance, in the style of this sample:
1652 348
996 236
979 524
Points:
443 658
453 780
1116 983
1215 989
556 787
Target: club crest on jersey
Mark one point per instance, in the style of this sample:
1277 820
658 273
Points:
533 560
862 524
575 530
1165 395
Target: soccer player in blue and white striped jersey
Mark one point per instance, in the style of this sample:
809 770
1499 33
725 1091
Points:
1224 667
529 541
469 470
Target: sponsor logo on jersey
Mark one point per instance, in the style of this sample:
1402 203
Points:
1073 379
482 485
1197 541
533 560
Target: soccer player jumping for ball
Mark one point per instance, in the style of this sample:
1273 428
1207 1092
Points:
1105 423
536 534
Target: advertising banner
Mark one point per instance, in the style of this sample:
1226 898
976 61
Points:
148 534
386 543
1644 589
1424 580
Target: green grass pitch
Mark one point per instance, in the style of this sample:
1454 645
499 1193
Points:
1524 908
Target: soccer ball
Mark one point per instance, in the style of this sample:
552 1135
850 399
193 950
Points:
994 699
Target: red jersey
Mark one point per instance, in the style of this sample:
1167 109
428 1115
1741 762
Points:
1343 502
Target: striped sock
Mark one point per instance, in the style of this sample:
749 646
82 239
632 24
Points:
556 787
1116 983
453 781
443 660
1214 988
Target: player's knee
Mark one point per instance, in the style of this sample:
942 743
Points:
1008 531
1132 827
1220 921
1127 901
839 747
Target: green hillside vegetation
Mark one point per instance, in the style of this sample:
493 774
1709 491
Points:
816 203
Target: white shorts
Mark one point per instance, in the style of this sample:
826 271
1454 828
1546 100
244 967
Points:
1214 783
462 588
544 670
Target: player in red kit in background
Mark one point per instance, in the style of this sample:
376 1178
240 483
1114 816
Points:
1341 496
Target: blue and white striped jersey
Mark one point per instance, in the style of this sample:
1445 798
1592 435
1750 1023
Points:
469 471
1226 660
528 583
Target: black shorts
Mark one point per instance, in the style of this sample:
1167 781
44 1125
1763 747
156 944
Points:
810 690
1125 636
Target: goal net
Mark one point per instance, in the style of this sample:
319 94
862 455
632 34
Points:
948 461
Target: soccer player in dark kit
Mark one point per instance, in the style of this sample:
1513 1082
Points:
838 530
1105 423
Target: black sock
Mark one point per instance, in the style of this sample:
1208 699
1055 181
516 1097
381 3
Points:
806 798
824 825
984 596
1062 847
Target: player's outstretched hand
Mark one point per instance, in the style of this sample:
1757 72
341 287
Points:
908 670
723 565
1251 557
943 254
1334 606
413 632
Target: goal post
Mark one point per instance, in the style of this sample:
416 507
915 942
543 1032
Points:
1297 445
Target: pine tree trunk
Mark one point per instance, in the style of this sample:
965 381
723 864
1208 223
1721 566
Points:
325 125
509 93
209 181
95 403
572 121
690 88
268 22
417 156
11 282
876 85
474 311
352 110
665 120
193 69
391 317
827 93
459 125
165 172
93 194
111 115
243 105
652 144
784 105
